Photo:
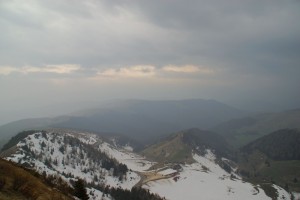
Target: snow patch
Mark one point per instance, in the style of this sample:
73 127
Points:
282 194
133 161
194 183
127 147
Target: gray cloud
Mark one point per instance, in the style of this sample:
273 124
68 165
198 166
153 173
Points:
253 46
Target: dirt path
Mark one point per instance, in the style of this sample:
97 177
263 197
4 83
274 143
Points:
150 176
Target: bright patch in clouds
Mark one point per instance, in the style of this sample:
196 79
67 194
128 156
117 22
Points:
6 70
187 69
131 72
151 71
57 69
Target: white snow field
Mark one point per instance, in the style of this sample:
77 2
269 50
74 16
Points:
133 161
208 181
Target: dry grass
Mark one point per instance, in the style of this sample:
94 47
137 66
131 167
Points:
171 150
17 183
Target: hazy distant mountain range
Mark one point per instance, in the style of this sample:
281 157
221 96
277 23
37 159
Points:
147 121
241 131
139 119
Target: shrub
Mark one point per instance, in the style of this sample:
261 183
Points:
2 183
18 182
80 190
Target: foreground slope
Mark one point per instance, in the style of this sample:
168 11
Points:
18 183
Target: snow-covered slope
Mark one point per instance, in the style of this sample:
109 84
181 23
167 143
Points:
101 162
133 161
204 179
74 155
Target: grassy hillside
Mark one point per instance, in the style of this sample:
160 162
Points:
178 147
172 149
241 131
258 168
17 183
273 158
285 173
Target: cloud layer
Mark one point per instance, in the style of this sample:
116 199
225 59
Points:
227 50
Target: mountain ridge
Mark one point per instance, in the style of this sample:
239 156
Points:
241 131
279 145
142 120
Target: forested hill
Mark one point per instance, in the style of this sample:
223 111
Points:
279 145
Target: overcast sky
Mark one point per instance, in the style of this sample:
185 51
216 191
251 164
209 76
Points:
245 53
